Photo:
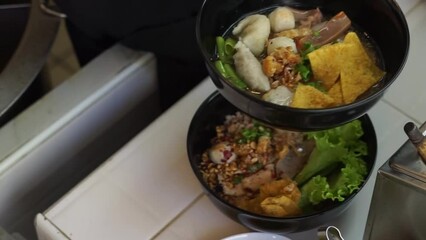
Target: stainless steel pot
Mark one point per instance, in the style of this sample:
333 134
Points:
31 28
397 209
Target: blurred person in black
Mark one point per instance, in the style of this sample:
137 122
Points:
165 28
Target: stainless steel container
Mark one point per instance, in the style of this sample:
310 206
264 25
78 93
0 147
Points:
28 29
398 206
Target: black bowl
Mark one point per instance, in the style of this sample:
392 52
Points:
211 113
383 20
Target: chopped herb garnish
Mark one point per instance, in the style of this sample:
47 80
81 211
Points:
307 48
317 85
304 67
253 133
304 70
237 179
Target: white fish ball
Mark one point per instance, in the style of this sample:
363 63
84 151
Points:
280 95
281 19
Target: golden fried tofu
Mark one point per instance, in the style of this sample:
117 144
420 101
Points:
277 198
336 93
350 61
280 206
280 198
359 73
326 64
307 96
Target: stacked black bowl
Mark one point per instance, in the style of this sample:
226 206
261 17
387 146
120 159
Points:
383 20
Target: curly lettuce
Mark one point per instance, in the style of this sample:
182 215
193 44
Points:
335 167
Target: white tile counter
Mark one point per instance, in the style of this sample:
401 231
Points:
147 190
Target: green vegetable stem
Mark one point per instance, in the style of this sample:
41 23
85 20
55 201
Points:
233 77
220 44
221 68
229 48
225 49
225 52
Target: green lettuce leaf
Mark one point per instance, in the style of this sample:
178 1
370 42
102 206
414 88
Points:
335 168
313 192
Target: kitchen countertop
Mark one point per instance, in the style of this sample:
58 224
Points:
147 190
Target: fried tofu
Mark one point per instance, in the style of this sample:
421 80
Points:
344 69
326 65
336 93
307 96
358 74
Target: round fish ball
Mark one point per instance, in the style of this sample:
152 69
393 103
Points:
280 95
281 19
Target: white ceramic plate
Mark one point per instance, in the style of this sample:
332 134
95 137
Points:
256 236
